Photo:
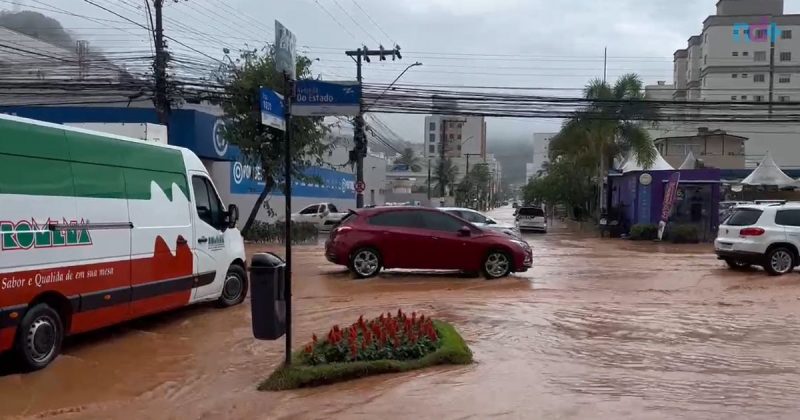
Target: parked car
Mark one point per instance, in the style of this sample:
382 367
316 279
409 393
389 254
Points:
369 240
323 215
483 221
767 235
531 218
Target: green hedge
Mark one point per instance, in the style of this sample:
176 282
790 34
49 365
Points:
302 233
644 232
453 351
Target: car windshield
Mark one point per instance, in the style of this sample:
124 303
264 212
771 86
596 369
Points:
743 217
531 211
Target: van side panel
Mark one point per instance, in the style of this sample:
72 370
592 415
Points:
7 338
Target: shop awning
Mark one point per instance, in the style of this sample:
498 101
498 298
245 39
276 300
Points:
659 164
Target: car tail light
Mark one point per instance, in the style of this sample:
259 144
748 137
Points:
751 232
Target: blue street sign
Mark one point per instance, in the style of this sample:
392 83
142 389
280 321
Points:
272 113
315 98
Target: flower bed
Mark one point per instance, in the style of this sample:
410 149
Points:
386 344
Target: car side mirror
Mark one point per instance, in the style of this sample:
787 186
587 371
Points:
233 215
465 231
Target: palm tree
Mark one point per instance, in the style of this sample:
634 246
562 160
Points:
409 159
609 127
445 175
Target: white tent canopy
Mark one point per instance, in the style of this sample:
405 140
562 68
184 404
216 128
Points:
690 162
768 173
659 164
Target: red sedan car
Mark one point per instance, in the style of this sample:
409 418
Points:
419 238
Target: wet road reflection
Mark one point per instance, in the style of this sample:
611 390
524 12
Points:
598 329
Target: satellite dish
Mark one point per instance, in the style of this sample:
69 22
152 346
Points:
737 188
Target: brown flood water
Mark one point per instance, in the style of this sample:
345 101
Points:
598 329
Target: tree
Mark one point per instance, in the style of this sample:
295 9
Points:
475 186
445 176
609 127
262 146
410 159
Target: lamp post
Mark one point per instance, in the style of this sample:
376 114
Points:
395 81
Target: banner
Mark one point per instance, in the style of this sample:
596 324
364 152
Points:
670 194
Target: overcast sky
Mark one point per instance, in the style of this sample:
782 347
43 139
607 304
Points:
531 43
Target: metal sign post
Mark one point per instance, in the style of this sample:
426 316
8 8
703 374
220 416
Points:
285 63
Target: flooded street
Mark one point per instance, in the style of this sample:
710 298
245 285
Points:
597 329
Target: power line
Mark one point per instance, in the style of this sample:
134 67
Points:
355 21
335 20
374 23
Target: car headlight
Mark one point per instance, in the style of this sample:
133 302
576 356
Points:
522 244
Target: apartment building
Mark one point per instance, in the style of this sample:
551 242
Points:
458 138
731 60
541 154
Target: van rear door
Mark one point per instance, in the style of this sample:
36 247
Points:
211 262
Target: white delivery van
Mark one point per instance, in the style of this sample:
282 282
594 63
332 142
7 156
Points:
96 229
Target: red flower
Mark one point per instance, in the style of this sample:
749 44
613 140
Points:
314 338
309 349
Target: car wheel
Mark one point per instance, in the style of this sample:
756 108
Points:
365 263
39 337
736 265
779 261
234 289
496 265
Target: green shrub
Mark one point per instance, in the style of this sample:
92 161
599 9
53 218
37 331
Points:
341 357
302 233
684 234
644 232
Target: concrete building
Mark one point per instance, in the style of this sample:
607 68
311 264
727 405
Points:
458 138
731 61
659 92
541 154
717 149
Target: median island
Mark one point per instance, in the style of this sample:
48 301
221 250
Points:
386 344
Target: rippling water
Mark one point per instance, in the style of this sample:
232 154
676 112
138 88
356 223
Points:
598 329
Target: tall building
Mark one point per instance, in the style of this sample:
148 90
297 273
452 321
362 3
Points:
541 154
458 138
731 60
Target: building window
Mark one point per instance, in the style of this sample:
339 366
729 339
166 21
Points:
735 53
760 56
733 98
786 56
784 99
735 75
761 34
460 125
744 76
759 78
786 34
706 39
704 81
452 136
745 53
458 137
433 126
785 78
432 138
758 98
452 125
432 149
744 97
459 147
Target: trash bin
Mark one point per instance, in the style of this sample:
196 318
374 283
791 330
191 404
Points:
267 286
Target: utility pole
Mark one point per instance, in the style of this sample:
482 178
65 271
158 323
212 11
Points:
429 181
605 63
160 66
359 151
771 71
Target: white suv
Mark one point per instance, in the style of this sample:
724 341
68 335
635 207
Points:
766 235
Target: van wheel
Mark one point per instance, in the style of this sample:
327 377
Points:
496 265
39 337
365 263
234 289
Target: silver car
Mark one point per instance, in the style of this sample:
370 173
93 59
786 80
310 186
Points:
531 218
481 220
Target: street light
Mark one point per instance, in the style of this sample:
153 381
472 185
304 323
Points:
395 81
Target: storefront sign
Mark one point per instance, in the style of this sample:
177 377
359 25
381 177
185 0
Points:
248 179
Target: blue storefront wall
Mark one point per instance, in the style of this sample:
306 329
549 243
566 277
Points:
642 204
